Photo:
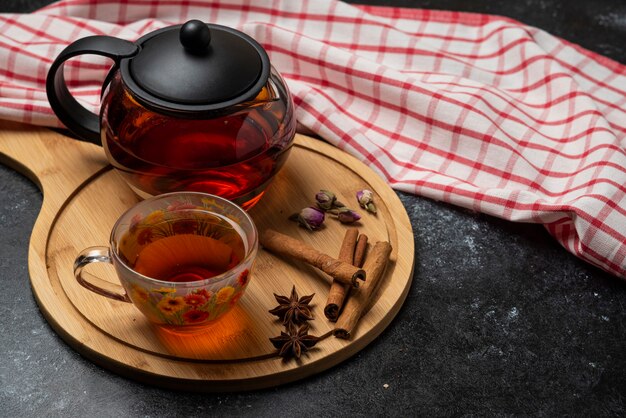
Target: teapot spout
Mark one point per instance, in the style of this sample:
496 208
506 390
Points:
268 94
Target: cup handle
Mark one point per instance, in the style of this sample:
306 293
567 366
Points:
97 255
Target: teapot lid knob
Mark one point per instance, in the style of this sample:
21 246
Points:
195 36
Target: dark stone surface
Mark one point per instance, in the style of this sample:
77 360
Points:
500 320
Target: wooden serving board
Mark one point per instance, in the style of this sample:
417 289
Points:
83 197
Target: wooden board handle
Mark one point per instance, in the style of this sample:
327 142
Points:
56 163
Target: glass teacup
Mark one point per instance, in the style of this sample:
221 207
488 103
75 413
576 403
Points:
183 259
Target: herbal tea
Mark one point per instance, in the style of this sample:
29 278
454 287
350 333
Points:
186 246
183 259
233 155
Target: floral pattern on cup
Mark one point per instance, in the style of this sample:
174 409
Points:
197 306
152 225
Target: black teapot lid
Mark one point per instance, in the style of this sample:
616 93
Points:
195 67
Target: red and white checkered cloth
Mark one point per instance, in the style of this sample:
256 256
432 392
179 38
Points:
479 111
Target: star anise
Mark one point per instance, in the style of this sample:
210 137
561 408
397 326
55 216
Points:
295 341
293 309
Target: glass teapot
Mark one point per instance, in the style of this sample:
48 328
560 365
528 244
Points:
194 107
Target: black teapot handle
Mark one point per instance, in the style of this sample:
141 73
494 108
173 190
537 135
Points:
79 120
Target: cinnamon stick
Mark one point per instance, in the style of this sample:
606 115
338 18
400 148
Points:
287 246
359 251
339 290
357 302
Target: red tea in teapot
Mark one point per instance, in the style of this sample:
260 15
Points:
233 156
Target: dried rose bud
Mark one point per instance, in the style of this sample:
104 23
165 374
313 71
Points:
366 200
345 215
311 218
325 199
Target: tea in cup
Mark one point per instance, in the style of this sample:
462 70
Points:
183 259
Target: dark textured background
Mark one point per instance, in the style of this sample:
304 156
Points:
500 320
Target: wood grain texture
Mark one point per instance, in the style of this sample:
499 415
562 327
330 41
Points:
83 197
